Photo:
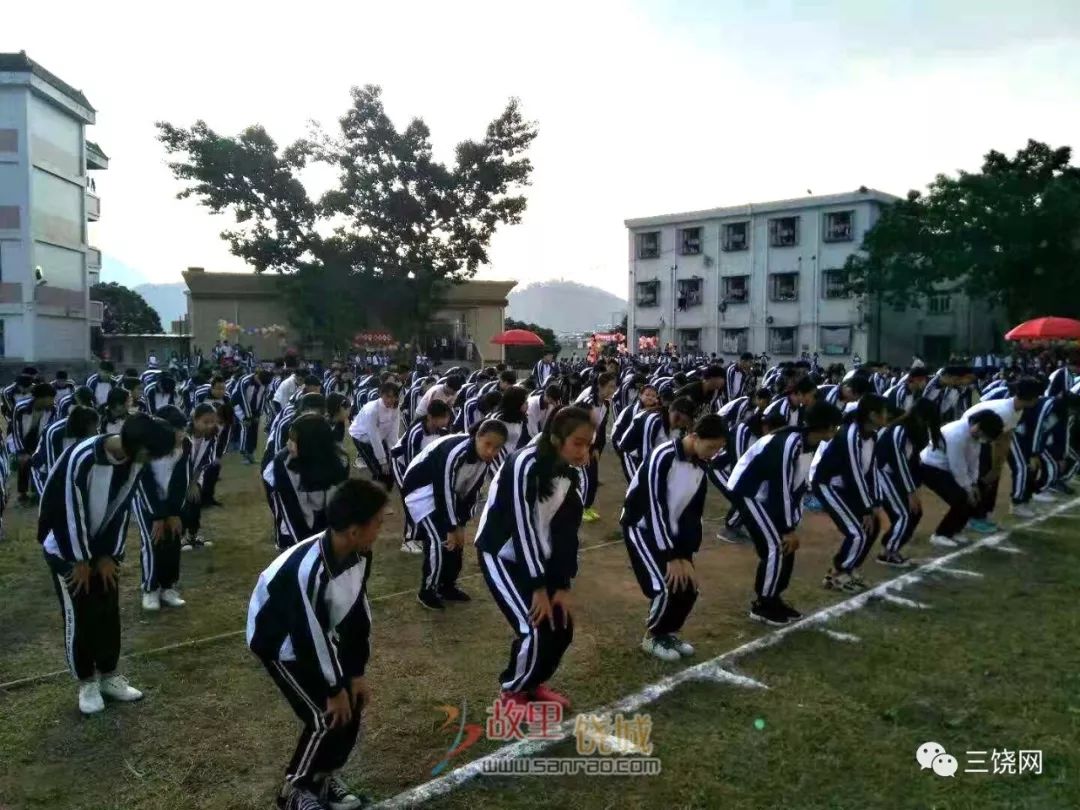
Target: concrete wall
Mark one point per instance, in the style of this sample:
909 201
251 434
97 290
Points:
134 350
972 327
206 312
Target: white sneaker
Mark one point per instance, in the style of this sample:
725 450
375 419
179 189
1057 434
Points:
683 648
90 701
412 547
942 541
961 539
1022 510
1044 497
151 600
660 647
170 597
116 687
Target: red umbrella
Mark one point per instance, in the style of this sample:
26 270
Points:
518 337
1046 329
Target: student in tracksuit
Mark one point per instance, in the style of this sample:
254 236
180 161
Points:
160 393
247 401
420 434
511 413
115 411
309 623
302 477
544 370
661 523
791 404
80 423
909 389
102 382
205 423
81 526
440 485
28 422
844 478
540 406
80 395
375 430
739 377
950 468
741 437
768 483
527 545
647 400
159 502
216 394
896 456
597 400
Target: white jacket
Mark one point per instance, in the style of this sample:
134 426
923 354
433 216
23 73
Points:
376 425
959 456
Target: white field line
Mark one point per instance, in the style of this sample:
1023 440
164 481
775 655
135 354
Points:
836 635
960 572
720 675
901 601
649 693
1008 549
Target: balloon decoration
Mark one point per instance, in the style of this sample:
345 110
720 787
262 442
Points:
646 343
374 340
601 339
228 330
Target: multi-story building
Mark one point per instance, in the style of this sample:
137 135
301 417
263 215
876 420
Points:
764 278
46 200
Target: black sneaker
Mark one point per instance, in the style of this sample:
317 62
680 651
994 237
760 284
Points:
452 593
894 560
788 610
767 613
336 795
303 800
430 600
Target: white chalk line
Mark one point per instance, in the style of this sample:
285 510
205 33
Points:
1008 549
649 693
30 680
836 635
893 599
960 572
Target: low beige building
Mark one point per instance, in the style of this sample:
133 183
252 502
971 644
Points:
473 314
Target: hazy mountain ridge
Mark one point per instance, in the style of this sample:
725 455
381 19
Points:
565 306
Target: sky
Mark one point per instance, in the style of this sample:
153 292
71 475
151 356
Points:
643 108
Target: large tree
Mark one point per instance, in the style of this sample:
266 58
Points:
1008 234
125 311
388 240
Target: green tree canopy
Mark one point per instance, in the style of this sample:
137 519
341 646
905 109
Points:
526 356
125 311
1009 235
382 246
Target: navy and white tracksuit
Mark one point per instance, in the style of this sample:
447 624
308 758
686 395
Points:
101 384
297 512
25 428
844 479
162 493
83 518
661 522
156 398
408 447
738 382
782 406
528 539
247 401
618 432
740 439
897 462
542 372
767 483
309 623
50 446
440 486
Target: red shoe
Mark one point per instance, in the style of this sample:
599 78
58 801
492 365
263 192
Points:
546 694
514 698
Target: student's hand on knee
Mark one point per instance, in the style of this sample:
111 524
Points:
173 526
540 610
868 522
914 504
157 531
561 600
339 708
108 570
360 692
790 542
78 580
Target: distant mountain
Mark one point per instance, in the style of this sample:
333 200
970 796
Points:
168 299
114 270
565 306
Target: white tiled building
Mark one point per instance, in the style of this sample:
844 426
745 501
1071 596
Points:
763 277
46 200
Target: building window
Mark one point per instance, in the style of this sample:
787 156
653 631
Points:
735 236
648 245
836 340
784 231
839 226
782 340
648 293
784 287
735 341
736 289
690 291
690 340
690 241
939 303
836 284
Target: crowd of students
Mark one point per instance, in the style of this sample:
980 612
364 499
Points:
860 445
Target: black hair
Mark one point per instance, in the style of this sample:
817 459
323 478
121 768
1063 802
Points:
988 423
922 424
604 379
771 421
822 415
803 386
83 396
389 388
82 423
174 416
319 461
107 366
167 383
870 403
355 503
42 390
511 404
918 372
61 375
711 426
746 356
560 426
117 396
859 385
202 409
312 380
438 409
24 381
485 426
508 377
334 403
312 402
129 383
713 371
684 406
455 381
131 372
763 393
144 432
554 391
956 371
1028 388
489 402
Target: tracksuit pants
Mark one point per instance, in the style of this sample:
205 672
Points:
536 651
367 454
668 609
441 565
942 483
209 482
249 435
628 465
191 517
161 560
902 521
844 511
592 481
774 566
321 750
398 467
91 623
